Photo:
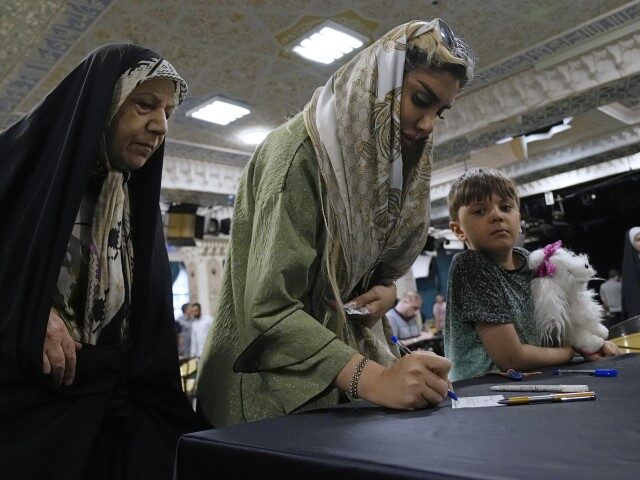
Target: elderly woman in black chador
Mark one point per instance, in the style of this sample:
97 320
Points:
89 385
631 274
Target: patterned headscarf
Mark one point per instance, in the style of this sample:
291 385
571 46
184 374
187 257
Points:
111 251
354 124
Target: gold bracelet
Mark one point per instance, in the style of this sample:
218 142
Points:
353 386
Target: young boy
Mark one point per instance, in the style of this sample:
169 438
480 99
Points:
489 319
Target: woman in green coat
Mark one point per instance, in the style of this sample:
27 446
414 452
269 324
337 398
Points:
332 209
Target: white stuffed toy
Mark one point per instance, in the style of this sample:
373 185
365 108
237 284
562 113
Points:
565 310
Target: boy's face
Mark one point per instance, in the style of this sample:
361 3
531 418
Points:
491 225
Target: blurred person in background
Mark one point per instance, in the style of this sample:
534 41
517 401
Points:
439 313
199 328
404 316
183 330
631 274
611 297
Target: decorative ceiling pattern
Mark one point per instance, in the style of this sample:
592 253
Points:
21 24
606 22
539 61
35 36
232 47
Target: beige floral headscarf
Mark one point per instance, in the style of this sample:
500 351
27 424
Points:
354 124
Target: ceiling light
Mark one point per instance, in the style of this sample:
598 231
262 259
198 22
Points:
254 137
328 42
219 110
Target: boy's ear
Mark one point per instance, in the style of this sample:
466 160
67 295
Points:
457 231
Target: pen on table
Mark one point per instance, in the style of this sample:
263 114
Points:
406 350
558 397
540 388
596 372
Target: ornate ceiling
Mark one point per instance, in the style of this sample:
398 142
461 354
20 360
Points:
540 61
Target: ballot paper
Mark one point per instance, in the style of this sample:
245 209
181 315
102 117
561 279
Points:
476 402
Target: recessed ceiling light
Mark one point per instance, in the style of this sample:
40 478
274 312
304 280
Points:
219 110
254 137
328 42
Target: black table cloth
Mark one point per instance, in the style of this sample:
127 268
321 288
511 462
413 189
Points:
582 440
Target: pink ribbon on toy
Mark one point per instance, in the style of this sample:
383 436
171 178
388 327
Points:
546 268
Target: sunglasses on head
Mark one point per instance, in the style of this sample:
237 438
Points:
448 38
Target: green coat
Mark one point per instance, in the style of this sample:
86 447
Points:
267 326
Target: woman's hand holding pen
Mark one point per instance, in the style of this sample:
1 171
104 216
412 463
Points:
414 381
378 300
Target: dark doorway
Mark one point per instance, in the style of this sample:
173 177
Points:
589 218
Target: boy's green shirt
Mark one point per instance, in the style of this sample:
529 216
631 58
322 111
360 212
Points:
481 291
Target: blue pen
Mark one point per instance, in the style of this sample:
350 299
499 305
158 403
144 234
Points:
596 372
406 350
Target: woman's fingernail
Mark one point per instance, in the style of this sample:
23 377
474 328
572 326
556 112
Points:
351 304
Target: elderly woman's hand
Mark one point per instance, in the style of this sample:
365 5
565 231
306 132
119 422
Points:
378 300
59 352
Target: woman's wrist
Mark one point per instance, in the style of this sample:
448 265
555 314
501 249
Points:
363 381
355 377
344 377
369 382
